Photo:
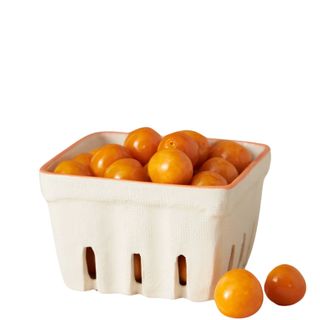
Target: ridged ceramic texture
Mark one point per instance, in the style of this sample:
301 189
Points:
214 228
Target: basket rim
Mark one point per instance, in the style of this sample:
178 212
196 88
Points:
44 169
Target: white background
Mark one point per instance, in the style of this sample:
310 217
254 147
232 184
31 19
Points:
245 70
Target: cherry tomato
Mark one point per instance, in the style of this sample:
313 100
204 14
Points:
73 168
232 151
142 143
238 294
170 166
83 158
105 156
221 166
285 285
182 142
203 145
126 169
208 178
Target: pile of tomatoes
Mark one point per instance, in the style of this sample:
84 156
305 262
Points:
182 157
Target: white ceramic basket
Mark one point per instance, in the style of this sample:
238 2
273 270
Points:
212 227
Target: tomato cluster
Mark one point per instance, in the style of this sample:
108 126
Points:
182 157
238 293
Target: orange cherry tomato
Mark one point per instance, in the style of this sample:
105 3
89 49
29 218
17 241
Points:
203 145
126 169
83 158
238 294
182 142
73 168
232 151
285 285
142 143
208 178
221 166
170 166
105 156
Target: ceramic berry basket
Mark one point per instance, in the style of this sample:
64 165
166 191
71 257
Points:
213 228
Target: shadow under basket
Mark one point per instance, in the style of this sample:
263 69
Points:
166 241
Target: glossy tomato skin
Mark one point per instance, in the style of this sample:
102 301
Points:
142 143
83 158
170 166
105 156
208 178
285 285
203 145
221 166
182 142
233 152
126 169
73 168
238 294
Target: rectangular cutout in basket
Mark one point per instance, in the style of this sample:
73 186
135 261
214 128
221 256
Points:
130 237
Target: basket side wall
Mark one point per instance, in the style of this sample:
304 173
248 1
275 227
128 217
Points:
116 232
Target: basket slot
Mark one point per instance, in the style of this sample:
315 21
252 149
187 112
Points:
137 267
182 270
242 250
230 264
250 242
91 263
